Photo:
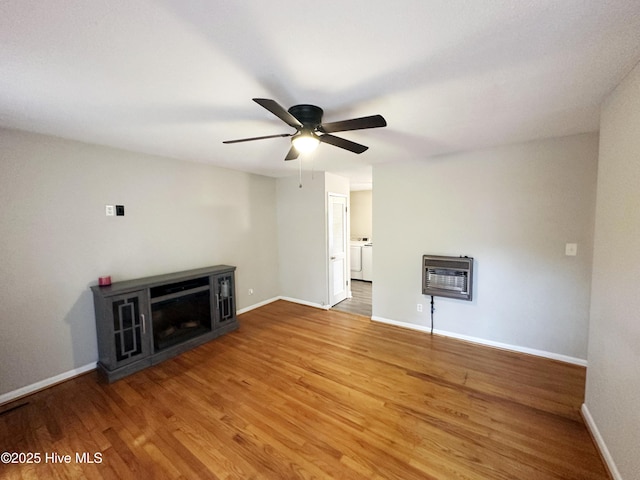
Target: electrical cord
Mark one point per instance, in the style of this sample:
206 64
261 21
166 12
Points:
433 309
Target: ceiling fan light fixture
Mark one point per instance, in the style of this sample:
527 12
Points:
310 131
305 142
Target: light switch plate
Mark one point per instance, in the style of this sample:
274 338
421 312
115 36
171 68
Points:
571 249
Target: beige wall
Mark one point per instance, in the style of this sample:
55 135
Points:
513 208
613 376
361 214
56 240
302 235
301 239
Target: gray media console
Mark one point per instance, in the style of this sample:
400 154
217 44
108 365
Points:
144 321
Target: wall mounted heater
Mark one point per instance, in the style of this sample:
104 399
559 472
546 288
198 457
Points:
447 276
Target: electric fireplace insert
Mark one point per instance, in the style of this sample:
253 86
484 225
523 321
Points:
180 311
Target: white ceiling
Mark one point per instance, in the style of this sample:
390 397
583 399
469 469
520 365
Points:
176 77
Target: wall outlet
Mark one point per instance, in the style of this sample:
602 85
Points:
571 249
251 291
419 307
109 210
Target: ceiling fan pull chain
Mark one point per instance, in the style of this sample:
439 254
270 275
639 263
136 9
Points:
313 167
300 172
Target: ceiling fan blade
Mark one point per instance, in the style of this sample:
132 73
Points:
342 143
372 121
275 108
258 138
292 154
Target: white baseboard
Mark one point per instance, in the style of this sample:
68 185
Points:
489 343
304 302
286 299
604 451
256 305
48 382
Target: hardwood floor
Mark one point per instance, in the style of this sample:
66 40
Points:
299 392
360 302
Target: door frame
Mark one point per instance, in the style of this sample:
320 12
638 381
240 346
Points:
345 240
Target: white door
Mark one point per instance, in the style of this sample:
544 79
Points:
337 238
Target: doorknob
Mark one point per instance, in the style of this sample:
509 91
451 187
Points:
333 258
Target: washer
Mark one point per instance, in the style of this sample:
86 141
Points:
356 259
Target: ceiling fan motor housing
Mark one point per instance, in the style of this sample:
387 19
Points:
307 120
308 115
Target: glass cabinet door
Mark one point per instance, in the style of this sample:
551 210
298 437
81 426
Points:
225 301
130 325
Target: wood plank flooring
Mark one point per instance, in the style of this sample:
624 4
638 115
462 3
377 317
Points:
299 392
360 302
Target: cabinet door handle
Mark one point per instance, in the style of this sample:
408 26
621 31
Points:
144 323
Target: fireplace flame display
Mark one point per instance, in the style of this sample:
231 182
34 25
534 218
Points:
180 311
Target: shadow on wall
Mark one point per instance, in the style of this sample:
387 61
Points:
82 327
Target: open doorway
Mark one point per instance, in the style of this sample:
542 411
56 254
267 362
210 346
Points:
361 254
360 300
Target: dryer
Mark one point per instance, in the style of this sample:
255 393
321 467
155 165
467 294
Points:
367 262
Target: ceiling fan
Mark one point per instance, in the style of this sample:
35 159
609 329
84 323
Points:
310 131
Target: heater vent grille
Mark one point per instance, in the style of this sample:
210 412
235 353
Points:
447 276
449 264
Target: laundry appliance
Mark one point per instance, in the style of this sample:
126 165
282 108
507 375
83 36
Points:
362 260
